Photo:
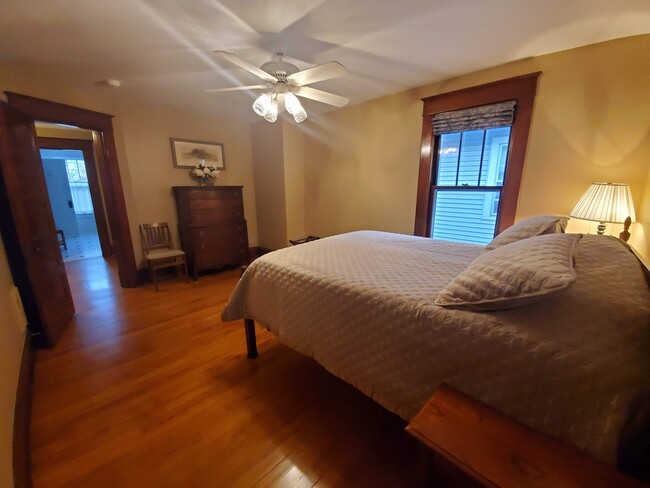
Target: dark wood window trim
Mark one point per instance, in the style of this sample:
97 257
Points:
105 151
522 89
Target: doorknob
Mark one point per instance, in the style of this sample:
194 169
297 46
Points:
70 204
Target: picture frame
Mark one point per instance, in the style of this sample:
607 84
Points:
188 154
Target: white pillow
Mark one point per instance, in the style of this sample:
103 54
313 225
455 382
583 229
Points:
514 275
530 227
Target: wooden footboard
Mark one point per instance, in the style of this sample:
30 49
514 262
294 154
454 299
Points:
251 341
496 451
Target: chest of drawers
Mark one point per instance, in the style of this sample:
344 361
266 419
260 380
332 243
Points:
212 226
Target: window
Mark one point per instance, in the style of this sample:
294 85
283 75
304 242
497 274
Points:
470 170
79 188
468 183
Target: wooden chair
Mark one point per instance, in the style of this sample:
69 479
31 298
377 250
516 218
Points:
159 250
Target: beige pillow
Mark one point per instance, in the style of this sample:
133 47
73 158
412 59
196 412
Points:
514 275
530 227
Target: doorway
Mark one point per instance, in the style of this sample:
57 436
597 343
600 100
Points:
28 226
72 207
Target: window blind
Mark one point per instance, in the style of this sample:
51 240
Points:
500 114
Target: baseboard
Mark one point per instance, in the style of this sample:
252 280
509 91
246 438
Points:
22 465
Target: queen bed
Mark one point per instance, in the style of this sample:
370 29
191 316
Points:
573 365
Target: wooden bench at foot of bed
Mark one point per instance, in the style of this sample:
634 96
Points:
496 451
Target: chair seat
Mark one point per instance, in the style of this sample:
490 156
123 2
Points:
163 254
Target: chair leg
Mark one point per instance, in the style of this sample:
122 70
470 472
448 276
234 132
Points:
187 276
152 272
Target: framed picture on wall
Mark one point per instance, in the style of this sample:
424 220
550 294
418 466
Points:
188 154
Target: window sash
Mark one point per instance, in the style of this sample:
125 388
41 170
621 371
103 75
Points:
498 190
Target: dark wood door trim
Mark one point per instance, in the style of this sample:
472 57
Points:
105 151
86 146
520 88
22 465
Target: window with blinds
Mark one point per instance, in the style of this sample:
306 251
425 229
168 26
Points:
469 171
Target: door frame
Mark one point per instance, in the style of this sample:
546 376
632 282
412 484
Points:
86 147
108 165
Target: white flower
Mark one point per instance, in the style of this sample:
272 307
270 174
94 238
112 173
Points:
197 172
206 171
215 173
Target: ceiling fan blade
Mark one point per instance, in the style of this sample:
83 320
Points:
247 66
321 96
321 72
235 88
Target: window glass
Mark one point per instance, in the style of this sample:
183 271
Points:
459 215
448 155
471 160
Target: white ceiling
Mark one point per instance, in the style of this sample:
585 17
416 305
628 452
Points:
161 50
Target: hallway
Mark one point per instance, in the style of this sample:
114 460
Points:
149 389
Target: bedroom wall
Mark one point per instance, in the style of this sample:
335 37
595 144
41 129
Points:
591 122
142 132
268 167
12 340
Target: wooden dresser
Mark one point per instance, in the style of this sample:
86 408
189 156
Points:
212 226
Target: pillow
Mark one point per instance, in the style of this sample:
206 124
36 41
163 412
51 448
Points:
530 227
514 275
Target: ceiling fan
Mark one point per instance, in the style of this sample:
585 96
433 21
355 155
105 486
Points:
284 83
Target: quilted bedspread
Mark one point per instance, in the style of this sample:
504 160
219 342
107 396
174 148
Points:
362 305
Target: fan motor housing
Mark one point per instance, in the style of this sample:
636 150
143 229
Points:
280 69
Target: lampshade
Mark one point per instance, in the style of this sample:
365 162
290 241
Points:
271 114
605 202
292 103
300 115
262 104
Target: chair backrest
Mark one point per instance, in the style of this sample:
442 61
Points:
156 236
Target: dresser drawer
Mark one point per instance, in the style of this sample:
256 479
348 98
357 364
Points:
215 240
212 232
214 193
220 256
215 216
211 204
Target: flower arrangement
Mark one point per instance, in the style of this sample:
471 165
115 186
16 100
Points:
205 175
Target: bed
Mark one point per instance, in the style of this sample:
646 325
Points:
574 366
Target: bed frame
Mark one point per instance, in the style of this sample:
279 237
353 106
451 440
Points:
251 340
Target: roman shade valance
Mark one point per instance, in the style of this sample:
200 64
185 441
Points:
484 117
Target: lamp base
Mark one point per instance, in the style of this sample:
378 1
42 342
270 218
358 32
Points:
601 228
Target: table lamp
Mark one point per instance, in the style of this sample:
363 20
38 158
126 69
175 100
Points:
607 203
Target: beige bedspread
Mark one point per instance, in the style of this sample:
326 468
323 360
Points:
362 305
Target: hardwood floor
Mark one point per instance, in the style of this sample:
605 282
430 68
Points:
149 388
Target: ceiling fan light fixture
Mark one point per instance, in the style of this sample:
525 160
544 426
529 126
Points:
292 104
271 114
262 104
300 115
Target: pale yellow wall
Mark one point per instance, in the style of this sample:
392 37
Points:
142 133
146 131
12 339
268 164
294 180
591 122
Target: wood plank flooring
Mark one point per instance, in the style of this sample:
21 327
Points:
149 388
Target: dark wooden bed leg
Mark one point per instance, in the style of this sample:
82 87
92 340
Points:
251 342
